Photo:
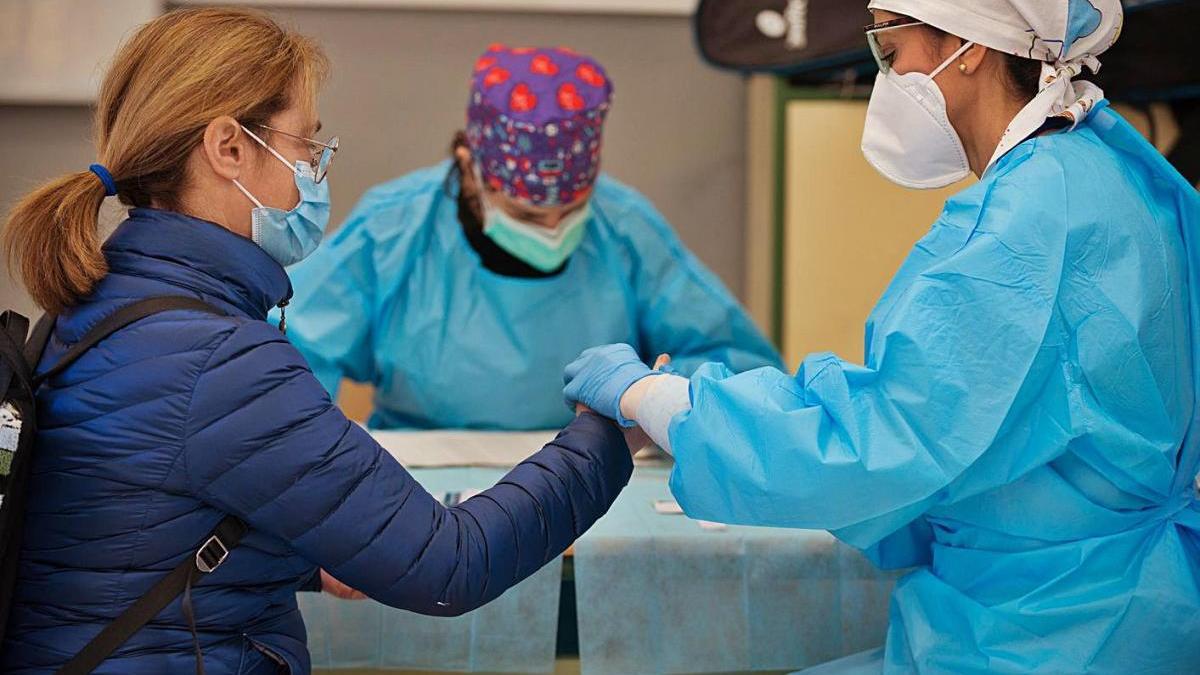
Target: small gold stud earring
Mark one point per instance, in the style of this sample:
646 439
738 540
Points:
962 68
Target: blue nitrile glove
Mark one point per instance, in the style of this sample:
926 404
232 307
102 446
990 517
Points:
601 376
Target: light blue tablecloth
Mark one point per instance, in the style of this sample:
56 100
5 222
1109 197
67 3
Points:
660 594
655 594
514 634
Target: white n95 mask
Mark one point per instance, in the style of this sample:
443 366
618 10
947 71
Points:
908 136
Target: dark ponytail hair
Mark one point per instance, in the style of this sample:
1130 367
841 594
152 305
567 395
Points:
1024 76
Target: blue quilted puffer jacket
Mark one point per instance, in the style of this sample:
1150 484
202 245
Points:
156 433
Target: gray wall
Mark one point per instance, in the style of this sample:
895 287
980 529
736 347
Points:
399 90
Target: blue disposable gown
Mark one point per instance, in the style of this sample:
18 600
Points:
400 300
1024 428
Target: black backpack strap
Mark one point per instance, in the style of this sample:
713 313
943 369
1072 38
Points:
38 340
115 322
208 557
15 326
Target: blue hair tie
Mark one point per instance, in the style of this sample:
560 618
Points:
110 185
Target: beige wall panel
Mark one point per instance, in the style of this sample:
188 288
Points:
847 230
761 145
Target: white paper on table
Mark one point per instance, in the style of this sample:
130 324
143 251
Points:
447 448
444 448
668 507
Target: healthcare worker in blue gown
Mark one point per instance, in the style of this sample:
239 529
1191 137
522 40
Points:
461 290
1024 430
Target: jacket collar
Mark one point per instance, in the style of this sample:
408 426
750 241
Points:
200 256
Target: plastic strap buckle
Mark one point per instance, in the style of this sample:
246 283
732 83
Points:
211 554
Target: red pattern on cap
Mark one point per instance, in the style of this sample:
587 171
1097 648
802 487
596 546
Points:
569 98
543 65
590 75
495 76
522 99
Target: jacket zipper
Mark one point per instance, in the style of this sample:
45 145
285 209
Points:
283 316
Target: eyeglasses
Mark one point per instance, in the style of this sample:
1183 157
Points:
885 61
320 153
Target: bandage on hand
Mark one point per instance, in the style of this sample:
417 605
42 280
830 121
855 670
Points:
633 396
635 437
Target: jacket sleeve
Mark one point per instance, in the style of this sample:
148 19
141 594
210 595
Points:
683 308
960 359
265 443
331 311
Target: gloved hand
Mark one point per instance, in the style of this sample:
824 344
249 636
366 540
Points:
600 376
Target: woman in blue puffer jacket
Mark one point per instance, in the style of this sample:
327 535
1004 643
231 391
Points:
152 437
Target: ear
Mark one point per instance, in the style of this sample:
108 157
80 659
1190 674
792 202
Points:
972 59
226 148
462 156
466 171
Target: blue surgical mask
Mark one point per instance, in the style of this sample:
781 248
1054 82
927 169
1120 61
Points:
290 236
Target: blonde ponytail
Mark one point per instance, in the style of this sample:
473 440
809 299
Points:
51 237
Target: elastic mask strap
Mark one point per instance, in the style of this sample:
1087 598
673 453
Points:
961 50
289 165
247 193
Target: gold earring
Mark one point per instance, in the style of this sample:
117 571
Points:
962 68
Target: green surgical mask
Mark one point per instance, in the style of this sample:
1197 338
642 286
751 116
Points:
544 249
